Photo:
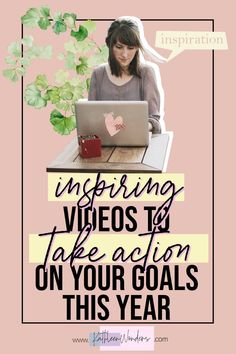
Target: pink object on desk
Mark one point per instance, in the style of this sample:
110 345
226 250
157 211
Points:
113 125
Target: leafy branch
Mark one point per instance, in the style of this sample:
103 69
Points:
17 63
81 54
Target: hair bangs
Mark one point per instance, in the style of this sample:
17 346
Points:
126 36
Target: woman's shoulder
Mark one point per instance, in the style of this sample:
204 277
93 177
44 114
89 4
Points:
100 68
149 68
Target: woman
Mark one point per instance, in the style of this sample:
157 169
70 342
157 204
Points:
127 76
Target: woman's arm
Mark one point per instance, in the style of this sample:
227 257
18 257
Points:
153 93
92 95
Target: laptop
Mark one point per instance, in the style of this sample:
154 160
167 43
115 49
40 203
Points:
116 123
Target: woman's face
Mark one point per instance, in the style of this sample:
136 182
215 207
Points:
124 54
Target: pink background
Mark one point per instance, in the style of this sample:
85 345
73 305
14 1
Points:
187 84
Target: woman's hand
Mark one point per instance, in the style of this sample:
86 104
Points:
149 127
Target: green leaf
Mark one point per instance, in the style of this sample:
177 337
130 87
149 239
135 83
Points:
25 61
11 74
84 85
99 57
31 18
70 61
9 60
61 77
45 11
45 52
45 96
54 94
15 49
61 56
82 68
39 52
61 124
70 20
14 73
33 52
27 41
90 26
79 47
78 92
66 91
88 81
59 27
73 109
70 47
20 71
84 46
41 82
103 53
55 114
75 81
44 23
57 16
81 34
33 97
65 106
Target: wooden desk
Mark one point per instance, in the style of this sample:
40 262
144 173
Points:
153 158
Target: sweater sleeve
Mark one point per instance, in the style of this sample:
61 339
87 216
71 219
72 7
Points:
92 96
154 95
